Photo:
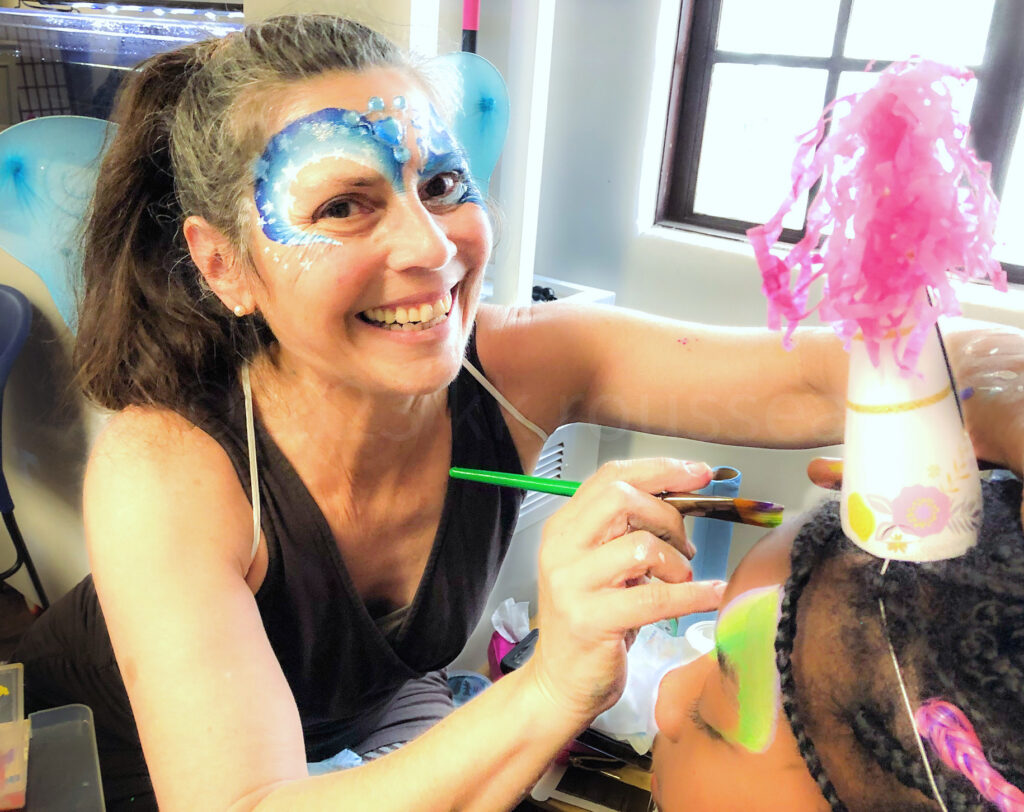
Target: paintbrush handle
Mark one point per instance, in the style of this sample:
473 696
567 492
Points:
684 500
562 487
718 507
565 487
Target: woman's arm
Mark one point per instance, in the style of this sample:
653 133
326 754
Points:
561 363
169 530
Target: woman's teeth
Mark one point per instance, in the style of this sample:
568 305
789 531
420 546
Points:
409 319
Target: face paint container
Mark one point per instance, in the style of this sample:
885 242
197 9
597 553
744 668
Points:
712 538
465 685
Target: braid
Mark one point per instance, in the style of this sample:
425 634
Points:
956 625
805 557
873 735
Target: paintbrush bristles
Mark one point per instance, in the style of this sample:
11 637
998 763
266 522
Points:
762 514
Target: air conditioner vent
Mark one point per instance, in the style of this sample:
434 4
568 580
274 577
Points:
550 464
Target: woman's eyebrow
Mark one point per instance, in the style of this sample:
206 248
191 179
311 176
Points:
333 182
442 162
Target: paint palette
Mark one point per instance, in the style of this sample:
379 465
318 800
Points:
14 737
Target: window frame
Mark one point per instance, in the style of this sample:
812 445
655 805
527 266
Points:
995 115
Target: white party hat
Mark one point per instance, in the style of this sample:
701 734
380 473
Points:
904 203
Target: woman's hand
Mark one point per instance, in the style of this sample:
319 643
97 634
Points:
592 591
826 472
990 374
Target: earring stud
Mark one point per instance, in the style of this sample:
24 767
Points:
239 311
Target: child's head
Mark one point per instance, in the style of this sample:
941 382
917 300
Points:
828 720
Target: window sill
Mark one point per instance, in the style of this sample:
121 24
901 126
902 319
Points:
979 300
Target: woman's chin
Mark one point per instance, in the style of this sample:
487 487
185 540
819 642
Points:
425 376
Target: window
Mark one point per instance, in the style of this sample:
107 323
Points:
70 60
752 75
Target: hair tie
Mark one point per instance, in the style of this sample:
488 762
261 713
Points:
952 737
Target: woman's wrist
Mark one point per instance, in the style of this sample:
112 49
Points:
548 703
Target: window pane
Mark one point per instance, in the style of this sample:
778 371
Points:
1010 230
950 31
755 115
795 27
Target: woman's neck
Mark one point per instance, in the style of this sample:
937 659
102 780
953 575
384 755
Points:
365 433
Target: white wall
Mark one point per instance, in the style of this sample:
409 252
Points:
606 118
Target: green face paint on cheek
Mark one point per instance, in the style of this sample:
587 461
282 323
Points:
745 637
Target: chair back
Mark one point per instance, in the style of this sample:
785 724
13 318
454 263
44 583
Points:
15 320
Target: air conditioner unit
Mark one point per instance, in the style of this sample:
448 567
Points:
569 453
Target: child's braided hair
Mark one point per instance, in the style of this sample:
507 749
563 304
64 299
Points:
957 624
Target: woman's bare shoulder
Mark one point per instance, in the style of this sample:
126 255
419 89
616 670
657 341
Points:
143 436
152 470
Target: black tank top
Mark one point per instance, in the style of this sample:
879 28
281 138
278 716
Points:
341 667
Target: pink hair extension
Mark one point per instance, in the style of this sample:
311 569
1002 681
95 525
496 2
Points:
952 737
903 203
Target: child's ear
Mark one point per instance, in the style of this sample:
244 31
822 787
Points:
217 261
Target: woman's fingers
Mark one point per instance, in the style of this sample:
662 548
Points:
592 587
655 475
654 601
620 498
631 557
826 472
620 508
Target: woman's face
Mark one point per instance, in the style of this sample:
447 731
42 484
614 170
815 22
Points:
724 743
370 238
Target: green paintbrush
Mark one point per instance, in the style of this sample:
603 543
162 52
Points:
726 508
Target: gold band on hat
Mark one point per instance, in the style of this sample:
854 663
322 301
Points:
906 406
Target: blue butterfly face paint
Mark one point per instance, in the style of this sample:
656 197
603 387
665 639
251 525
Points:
377 138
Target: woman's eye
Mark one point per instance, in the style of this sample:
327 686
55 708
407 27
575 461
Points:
445 189
335 210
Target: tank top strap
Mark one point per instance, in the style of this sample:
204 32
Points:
512 410
250 441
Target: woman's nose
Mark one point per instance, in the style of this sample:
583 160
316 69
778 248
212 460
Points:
417 241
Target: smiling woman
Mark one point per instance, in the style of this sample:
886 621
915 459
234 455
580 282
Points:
282 273
282 277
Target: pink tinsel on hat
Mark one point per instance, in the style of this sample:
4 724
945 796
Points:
906 200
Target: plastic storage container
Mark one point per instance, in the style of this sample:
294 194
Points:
64 770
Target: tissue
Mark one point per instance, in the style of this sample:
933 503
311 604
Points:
653 654
511 621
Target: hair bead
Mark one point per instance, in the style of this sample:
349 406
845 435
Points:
952 737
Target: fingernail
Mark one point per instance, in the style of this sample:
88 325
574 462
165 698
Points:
719 587
697 468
